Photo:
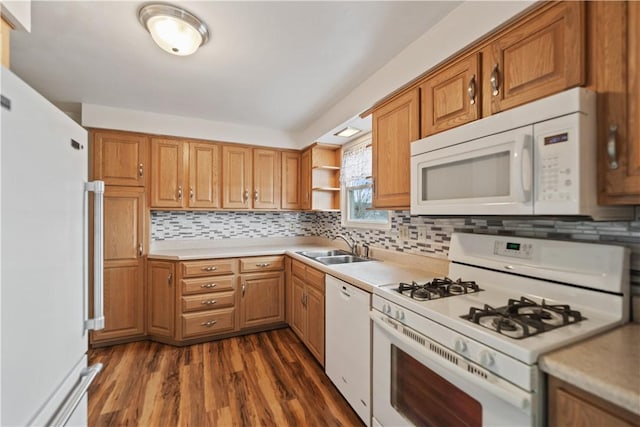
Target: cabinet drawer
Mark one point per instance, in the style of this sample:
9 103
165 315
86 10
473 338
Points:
265 263
208 322
208 301
298 269
208 267
208 284
315 278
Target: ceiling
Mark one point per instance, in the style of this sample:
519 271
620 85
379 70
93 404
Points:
277 65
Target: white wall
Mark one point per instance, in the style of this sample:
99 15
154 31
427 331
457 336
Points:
99 116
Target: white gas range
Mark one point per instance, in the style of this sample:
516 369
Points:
479 338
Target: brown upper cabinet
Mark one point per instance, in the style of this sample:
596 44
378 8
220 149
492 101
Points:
451 96
395 125
184 174
290 194
305 180
614 41
539 56
266 179
541 53
120 158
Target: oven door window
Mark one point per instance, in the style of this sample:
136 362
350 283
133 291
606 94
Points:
426 399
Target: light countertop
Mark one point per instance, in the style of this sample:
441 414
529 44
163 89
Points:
607 366
365 275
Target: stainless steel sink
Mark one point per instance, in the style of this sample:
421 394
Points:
341 259
317 254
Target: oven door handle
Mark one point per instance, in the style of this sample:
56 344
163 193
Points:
510 394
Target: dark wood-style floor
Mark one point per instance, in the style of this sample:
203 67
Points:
265 379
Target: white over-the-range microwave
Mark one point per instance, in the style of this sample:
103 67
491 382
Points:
537 159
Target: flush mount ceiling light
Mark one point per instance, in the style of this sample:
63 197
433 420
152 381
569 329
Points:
348 132
173 29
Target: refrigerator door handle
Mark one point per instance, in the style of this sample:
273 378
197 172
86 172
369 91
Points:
97 323
63 414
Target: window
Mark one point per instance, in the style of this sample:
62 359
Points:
357 188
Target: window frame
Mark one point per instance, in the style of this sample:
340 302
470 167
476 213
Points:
344 195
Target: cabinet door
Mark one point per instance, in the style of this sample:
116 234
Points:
315 323
167 173
124 223
305 180
614 65
161 295
291 180
261 299
120 158
298 320
539 57
266 179
204 181
395 125
451 97
236 177
123 301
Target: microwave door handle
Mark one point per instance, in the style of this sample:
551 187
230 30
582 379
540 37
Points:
523 151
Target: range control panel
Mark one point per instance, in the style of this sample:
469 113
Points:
513 249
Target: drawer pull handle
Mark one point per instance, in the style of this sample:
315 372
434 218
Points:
209 302
209 268
209 285
179 192
209 323
141 169
471 90
263 264
169 279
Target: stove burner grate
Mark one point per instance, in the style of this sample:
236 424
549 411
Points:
523 318
437 288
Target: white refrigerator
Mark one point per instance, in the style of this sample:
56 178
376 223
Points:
44 261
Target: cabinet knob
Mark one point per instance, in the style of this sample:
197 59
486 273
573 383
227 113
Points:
255 195
179 192
191 194
139 249
140 169
245 196
471 90
611 147
495 80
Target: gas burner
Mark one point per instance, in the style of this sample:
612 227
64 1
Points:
437 288
523 318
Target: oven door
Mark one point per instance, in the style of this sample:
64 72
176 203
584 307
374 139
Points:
485 176
418 382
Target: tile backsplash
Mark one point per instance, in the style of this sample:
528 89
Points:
168 225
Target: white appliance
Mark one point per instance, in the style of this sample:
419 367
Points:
537 159
348 343
469 354
44 280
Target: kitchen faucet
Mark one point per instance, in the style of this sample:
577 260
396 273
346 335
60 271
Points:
350 242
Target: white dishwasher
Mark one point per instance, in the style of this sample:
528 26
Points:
348 343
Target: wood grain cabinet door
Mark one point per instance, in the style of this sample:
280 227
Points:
124 224
168 164
315 323
120 158
290 194
236 177
451 97
161 283
298 320
266 179
305 180
204 175
395 125
261 299
537 58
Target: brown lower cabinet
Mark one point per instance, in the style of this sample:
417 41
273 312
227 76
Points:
570 406
190 301
306 307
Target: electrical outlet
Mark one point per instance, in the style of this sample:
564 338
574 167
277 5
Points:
404 232
292 226
422 232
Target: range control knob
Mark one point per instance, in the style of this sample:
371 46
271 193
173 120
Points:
386 309
486 359
460 346
399 315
